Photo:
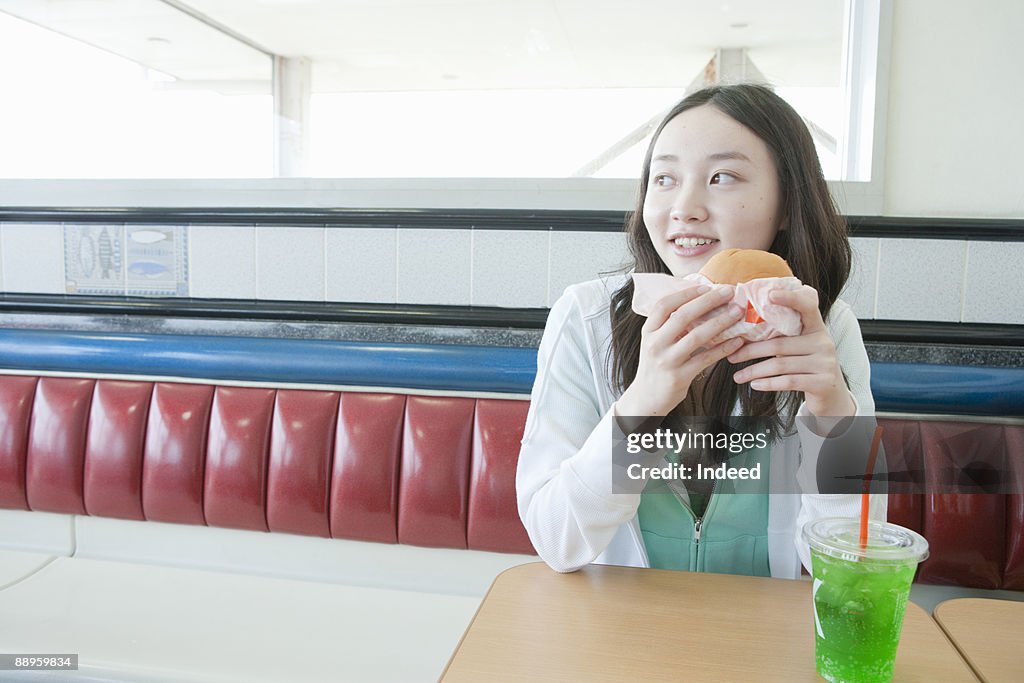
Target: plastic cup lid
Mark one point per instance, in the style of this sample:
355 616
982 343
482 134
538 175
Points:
840 537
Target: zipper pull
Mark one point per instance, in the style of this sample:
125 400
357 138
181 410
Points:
696 529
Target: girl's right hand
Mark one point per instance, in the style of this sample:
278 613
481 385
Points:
670 358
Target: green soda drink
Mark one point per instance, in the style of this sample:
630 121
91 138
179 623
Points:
860 596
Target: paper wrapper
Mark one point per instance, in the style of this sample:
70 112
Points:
763 320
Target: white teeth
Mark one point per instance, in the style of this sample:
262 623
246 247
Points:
691 242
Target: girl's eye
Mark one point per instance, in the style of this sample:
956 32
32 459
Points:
661 180
723 178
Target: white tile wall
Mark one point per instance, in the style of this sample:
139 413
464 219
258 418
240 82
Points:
896 279
921 280
995 284
33 258
290 263
510 268
580 256
434 267
222 261
361 264
860 289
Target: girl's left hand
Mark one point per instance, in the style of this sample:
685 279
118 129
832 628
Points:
806 362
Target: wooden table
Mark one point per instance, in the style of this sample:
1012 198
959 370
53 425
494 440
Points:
989 634
607 623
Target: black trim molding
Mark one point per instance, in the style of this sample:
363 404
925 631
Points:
970 229
279 311
974 229
452 219
916 332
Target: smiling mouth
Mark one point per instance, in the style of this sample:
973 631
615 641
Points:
692 242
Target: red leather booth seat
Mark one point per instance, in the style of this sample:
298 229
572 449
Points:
390 468
974 539
429 471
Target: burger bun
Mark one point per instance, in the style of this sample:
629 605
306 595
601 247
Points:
736 266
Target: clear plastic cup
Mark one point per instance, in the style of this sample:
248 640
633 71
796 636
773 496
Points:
860 595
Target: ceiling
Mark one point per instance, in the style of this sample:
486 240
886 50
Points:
403 45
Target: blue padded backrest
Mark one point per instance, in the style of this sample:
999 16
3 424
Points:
897 387
949 389
371 364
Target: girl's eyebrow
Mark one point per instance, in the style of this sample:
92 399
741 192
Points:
717 156
726 156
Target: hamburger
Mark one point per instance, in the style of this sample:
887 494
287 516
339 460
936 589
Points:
753 273
736 266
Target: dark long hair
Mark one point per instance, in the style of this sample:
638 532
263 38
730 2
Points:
814 242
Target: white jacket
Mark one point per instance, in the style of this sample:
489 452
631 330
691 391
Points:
564 477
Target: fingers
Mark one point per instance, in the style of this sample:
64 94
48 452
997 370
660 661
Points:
783 365
804 301
777 346
814 338
783 383
787 373
811 384
709 357
683 317
806 364
667 305
703 334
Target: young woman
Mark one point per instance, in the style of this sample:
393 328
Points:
729 167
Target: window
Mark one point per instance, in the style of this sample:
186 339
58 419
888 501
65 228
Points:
414 90
73 110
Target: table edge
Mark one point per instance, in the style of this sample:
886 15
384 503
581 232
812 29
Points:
469 626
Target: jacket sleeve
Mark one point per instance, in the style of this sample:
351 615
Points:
564 476
855 441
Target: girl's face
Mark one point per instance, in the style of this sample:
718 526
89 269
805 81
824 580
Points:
713 186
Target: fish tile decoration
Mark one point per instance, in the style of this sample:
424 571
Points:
156 260
94 259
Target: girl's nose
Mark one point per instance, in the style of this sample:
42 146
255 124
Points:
688 207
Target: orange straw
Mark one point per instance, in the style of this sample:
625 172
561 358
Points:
866 490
